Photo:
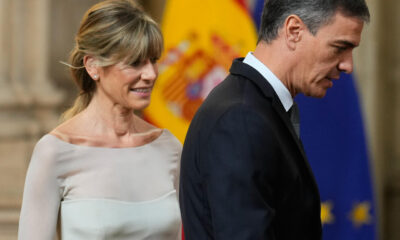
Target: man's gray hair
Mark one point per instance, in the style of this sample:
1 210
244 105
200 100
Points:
314 13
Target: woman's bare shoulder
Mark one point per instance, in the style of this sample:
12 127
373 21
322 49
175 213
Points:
72 130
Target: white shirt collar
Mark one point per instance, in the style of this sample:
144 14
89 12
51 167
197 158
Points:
280 89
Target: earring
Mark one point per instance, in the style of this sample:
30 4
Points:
95 77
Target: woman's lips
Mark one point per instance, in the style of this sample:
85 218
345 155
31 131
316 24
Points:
144 92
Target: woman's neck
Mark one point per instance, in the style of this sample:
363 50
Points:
111 118
106 124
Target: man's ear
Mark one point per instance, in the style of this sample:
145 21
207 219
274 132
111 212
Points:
91 66
294 29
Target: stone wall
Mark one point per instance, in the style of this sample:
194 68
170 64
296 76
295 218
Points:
35 88
28 98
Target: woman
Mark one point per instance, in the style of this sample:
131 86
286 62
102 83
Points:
104 173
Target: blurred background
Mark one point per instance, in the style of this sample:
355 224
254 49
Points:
35 88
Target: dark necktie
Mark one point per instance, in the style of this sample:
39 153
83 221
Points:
295 118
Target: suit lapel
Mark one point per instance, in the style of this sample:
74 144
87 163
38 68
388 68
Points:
240 68
246 71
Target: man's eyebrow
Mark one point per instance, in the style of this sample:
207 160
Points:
346 43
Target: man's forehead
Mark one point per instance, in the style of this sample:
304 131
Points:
346 29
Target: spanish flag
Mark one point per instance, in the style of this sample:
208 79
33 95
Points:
202 37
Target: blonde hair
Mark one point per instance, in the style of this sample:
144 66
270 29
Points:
111 31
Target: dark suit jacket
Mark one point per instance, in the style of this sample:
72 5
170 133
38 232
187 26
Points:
244 174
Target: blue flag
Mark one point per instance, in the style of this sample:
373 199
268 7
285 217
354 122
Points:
256 13
333 136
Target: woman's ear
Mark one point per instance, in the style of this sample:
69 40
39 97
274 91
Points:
294 28
91 66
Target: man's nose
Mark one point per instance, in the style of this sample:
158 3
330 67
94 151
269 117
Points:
346 63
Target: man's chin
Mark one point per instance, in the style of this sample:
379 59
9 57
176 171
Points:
320 96
317 94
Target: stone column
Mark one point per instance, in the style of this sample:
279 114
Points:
367 75
28 99
44 95
19 88
37 53
6 96
389 113
13 95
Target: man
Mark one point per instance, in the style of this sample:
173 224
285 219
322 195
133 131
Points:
244 174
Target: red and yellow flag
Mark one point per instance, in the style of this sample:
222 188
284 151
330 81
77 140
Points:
202 37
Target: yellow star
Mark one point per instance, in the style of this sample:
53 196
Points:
360 214
326 213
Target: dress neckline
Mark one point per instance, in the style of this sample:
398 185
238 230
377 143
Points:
163 133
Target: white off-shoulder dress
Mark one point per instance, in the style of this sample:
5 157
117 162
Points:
102 193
